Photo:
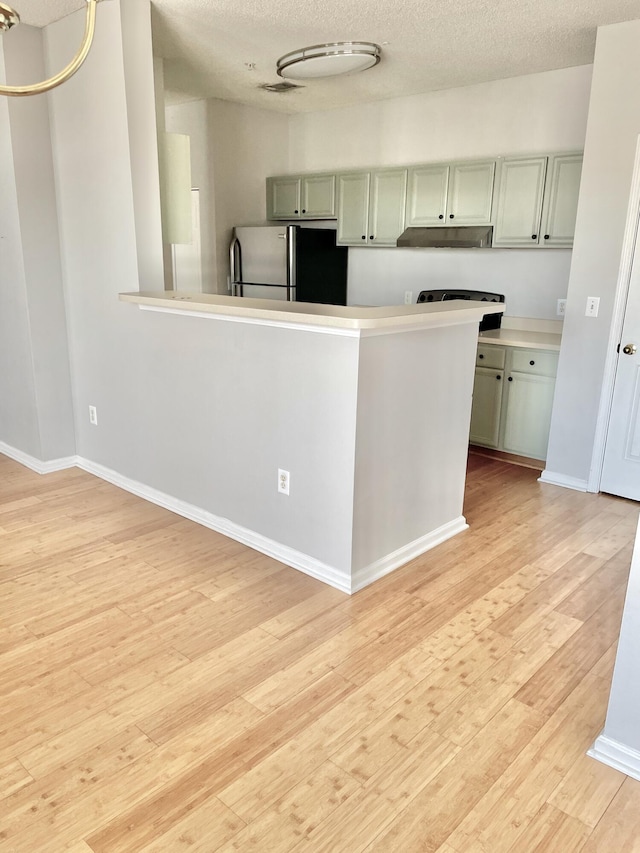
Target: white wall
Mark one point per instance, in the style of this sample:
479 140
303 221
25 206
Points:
536 113
192 119
412 437
612 133
18 411
247 144
96 213
619 743
531 280
141 113
233 149
36 411
186 405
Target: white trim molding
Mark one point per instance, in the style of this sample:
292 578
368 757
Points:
337 578
617 322
38 465
417 325
255 321
378 569
289 556
555 479
617 755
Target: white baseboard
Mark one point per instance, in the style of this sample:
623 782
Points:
616 755
562 480
288 556
363 577
38 465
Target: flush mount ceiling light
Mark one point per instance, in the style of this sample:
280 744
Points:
328 60
9 18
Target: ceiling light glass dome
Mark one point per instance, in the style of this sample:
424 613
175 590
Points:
328 60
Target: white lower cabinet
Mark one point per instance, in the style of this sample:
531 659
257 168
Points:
528 414
512 407
487 405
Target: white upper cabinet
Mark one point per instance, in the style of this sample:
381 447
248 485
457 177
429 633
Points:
519 204
561 199
530 201
451 194
470 194
318 197
537 201
283 198
386 207
371 207
301 197
353 209
427 196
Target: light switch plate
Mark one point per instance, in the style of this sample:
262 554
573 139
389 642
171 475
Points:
593 306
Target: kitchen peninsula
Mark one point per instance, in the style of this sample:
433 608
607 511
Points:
366 409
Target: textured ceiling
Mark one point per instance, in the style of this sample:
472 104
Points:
427 44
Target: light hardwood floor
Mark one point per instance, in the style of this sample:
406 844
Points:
167 689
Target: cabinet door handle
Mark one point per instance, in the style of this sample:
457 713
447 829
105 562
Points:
532 362
441 216
511 379
498 377
451 216
546 236
304 211
480 355
371 237
534 236
295 211
363 237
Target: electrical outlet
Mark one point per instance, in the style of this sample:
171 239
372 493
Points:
408 297
562 306
593 306
283 481
93 415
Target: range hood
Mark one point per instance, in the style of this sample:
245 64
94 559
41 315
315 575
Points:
462 237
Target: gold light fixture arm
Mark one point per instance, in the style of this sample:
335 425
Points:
72 67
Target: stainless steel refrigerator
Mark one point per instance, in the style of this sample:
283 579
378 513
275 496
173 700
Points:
292 262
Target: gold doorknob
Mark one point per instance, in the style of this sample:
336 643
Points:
630 349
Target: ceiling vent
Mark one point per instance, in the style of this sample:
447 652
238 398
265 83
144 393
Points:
285 86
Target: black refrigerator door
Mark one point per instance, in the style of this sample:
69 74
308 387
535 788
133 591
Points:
321 267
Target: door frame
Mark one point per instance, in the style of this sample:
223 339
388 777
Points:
623 283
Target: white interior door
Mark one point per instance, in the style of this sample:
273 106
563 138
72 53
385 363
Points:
621 470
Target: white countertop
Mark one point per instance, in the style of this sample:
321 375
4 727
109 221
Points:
355 318
521 338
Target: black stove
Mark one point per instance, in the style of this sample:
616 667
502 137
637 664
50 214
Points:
489 321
